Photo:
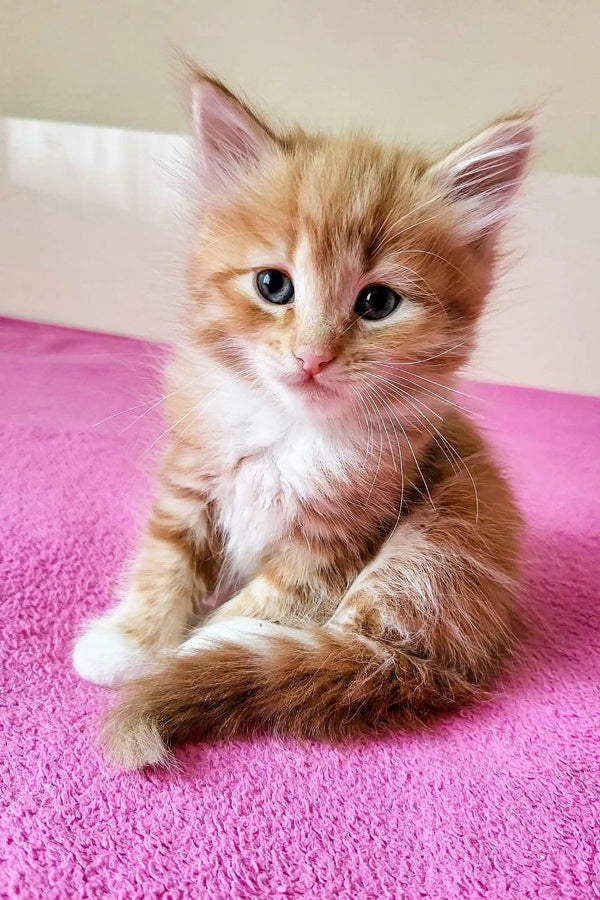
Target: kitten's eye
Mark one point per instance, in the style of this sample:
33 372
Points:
275 286
376 302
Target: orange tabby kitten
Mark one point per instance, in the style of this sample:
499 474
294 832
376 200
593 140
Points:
321 485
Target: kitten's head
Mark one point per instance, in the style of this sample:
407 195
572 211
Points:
333 270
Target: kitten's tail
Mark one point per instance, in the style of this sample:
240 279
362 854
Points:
245 675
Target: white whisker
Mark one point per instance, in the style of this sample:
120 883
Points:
418 362
440 384
425 485
374 408
170 429
410 398
395 378
393 419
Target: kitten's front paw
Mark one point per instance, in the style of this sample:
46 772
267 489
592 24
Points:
104 654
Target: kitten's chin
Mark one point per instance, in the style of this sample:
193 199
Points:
316 398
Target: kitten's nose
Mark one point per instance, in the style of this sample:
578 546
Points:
313 361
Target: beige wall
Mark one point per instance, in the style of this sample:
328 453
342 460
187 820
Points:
94 207
93 232
428 70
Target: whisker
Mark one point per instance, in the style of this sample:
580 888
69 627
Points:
418 362
191 424
381 243
394 388
170 429
365 415
389 442
394 235
351 325
393 419
425 485
228 236
367 399
404 380
440 384
410 398
443 259
122 412
460 460
406 398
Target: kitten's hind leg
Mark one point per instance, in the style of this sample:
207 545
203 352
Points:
172 573
448 604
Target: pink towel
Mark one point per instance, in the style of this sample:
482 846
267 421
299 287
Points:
497 801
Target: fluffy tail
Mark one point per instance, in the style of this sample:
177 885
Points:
257 676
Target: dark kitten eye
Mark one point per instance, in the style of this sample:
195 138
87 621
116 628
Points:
275 286
376 302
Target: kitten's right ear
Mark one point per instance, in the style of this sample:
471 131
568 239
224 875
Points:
228 137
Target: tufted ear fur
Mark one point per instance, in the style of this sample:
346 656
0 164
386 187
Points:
484 174
229 139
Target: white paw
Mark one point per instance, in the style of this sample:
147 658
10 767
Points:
104 655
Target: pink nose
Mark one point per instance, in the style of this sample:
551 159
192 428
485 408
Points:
313 361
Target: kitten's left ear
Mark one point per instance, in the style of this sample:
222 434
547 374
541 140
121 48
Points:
229 138
483 175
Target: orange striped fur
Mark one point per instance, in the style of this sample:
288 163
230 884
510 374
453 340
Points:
348 523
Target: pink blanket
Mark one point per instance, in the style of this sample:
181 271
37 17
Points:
500 800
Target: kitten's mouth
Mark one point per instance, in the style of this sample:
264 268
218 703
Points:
309 385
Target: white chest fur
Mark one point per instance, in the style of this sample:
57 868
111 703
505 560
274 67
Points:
270 463
257 505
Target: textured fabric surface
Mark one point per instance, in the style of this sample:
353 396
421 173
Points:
500 800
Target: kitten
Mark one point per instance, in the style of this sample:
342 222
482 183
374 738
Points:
321 483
